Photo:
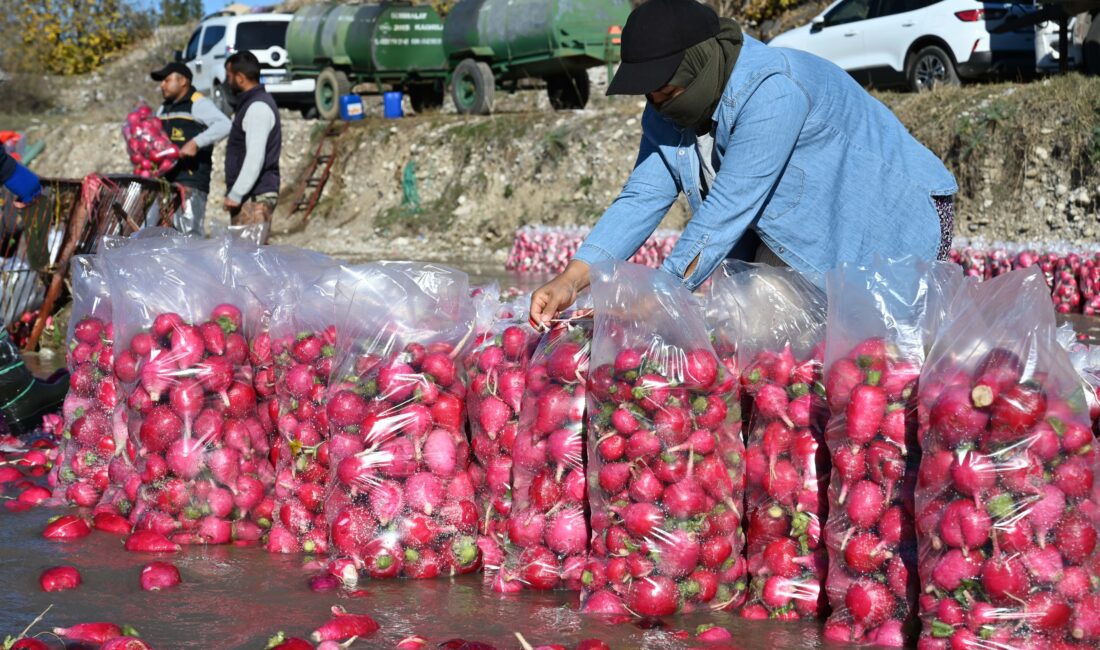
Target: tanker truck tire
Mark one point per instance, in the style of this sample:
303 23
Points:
472 87
331 85
568 91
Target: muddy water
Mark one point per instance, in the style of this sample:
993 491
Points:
238 597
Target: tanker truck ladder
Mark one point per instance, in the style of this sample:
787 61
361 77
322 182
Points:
313 179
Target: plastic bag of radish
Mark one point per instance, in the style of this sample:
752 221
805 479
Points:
782 346
401 499
195 439
545 543
665 456
1008 502
881 319
95 429
151 152
299 351
497 367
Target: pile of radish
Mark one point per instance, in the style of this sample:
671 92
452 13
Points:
779 323
1009 509
665 454
401 499
151 152
547 249
880 320
545 542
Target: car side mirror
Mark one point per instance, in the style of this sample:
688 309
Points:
817 25
178 56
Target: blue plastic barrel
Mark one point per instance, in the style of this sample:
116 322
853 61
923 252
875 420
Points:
391 104
351 107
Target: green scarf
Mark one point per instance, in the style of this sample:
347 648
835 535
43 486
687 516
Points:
706 68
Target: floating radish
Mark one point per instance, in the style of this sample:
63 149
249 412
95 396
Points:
156 576
60 578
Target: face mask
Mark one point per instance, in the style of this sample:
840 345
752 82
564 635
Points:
703 73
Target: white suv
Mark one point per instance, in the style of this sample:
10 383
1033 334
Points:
918 43
222 34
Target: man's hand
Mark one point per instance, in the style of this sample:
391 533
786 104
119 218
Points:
230 204
559 293
189 149
19 205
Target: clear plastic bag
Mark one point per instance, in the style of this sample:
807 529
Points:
497 366
782 347
401 498
94 413
545 540
1008 508
151 152
196 443
665 455
881 319
300 349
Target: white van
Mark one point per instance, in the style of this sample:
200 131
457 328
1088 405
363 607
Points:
264 34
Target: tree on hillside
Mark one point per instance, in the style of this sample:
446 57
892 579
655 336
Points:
68 36
180 12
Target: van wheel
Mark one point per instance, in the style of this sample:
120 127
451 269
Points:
331 86
472 87
220 96
930 68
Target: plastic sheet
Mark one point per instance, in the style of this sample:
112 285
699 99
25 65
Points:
1008 507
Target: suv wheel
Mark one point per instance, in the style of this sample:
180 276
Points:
929 68
220 96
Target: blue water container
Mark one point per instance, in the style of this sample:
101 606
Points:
391 105
351 107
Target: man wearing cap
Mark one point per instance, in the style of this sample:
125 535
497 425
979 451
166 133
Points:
194 124
781 155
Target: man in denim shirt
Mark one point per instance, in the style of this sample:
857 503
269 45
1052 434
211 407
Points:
782 156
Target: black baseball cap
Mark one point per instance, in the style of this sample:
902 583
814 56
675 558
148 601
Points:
175 66
654 40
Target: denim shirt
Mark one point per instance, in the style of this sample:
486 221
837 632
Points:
823 172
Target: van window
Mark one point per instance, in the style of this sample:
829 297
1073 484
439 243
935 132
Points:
260 35
212 37
849 11
192 50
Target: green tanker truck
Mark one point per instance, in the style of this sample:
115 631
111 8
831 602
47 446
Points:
482 45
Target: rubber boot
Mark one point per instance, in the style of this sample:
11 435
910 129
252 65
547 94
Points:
23 398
